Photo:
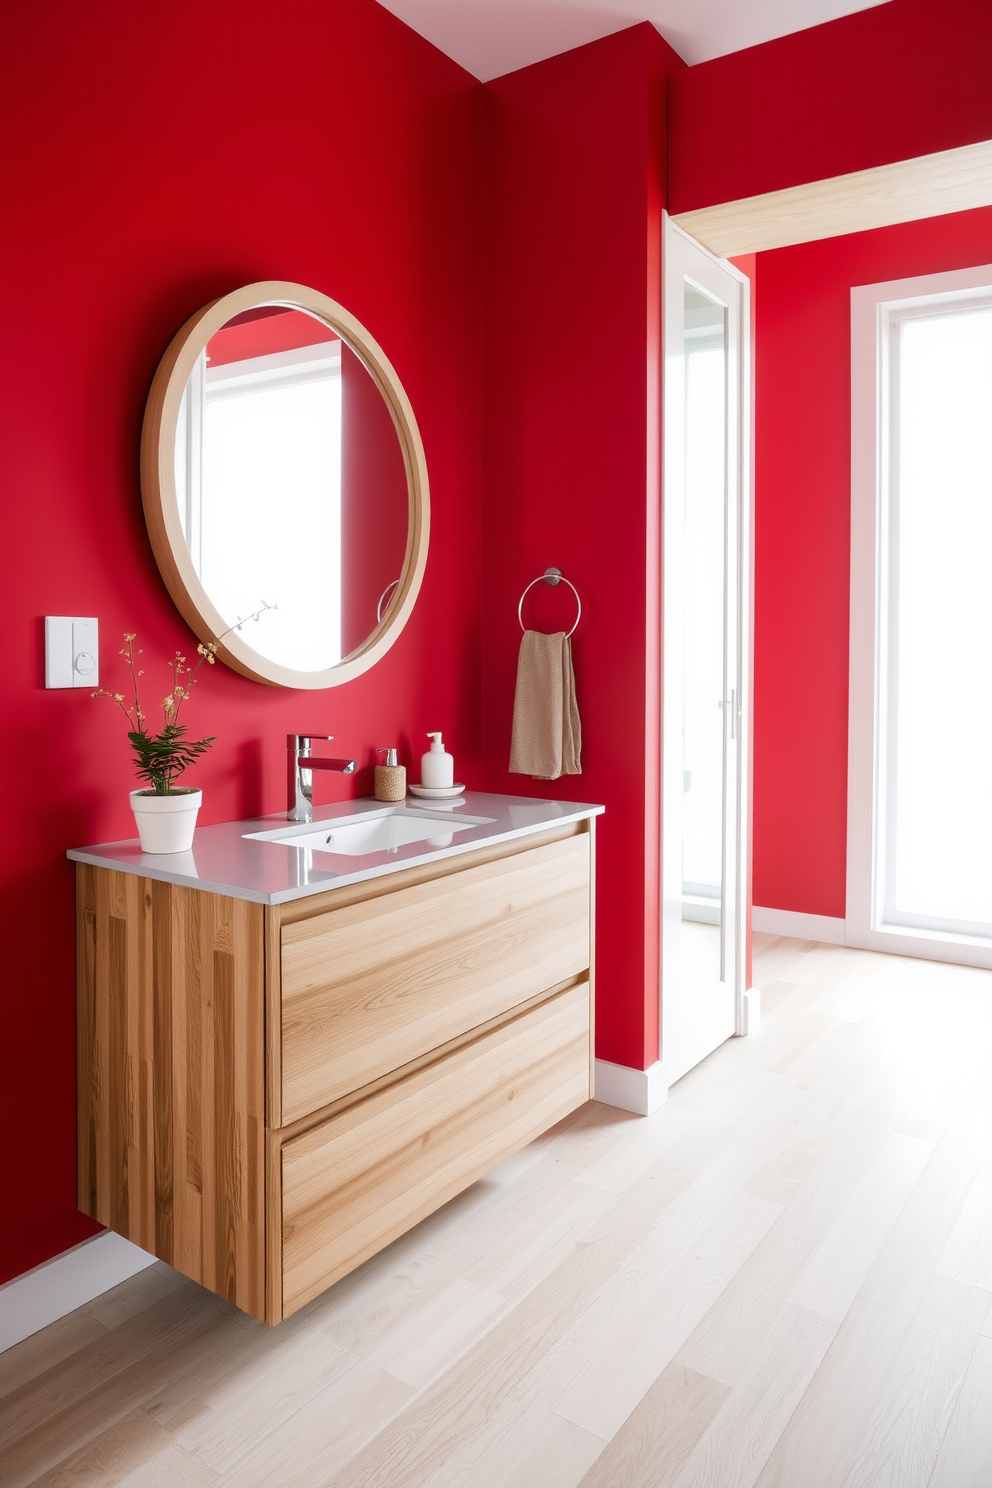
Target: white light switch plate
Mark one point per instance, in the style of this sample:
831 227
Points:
72 651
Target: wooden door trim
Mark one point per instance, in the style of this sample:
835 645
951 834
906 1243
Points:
903 191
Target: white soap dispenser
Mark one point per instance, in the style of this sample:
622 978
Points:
437 768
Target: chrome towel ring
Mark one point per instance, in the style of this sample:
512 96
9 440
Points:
551 576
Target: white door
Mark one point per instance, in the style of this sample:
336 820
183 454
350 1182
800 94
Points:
705 610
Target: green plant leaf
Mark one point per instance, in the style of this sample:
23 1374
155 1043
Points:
160 759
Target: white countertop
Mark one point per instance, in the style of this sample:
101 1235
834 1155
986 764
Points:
224 860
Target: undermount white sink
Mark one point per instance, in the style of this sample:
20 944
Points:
383 831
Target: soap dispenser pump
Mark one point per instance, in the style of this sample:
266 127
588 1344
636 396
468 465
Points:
390 778
437 767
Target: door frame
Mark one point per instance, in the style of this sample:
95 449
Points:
670 917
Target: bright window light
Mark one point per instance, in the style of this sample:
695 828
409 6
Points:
935 756
705 542
272 527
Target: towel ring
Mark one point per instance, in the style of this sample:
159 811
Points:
551 576
381 606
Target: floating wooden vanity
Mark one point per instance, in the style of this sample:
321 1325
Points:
270 1093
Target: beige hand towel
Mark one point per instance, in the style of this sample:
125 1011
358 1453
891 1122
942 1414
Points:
547 735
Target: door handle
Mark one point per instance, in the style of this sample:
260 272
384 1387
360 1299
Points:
730 704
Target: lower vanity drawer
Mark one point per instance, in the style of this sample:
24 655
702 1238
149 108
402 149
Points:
366 1175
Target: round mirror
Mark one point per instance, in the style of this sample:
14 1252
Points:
284 486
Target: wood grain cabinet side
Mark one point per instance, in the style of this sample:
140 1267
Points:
171 1075
249 1077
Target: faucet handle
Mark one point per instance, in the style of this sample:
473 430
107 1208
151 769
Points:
303 741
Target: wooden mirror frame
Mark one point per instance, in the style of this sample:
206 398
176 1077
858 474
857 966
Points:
161 507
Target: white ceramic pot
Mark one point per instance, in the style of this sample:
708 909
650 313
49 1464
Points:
166 823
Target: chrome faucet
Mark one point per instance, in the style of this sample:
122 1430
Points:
299 774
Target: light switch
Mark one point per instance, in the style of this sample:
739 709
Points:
72 651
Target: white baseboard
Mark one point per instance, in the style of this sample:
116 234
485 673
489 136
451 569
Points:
751 1020
640 1091
800 926
56 1288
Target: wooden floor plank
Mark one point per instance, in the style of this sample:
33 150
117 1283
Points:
522 1258
171 1468
88 1415
102 1462
233 1348
253 1401
914 1246
967 1256
305 1447
820 1441
733 1328
740 1439
653 1138
903 1438
34 1356
657 1438
126 1301
431 1342
830 1282
540 1449
636 1342
46 1419
965 1456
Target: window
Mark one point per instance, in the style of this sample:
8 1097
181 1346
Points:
704 585
920 829
263 435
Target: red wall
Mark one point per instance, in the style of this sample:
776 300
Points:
123 215
802 540
574 182
898 80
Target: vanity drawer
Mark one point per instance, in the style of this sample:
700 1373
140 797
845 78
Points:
365 1176
371 986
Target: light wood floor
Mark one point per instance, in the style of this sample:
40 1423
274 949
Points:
782 1278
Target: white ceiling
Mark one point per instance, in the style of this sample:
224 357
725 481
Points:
492 37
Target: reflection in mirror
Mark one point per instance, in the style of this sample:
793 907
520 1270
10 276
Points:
704 589
291 485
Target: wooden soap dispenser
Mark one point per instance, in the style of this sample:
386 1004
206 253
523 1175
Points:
390 778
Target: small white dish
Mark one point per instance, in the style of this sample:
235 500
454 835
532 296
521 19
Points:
445 793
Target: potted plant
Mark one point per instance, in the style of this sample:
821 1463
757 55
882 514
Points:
164 811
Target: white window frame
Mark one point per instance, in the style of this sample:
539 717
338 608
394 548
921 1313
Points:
274 369
875 309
